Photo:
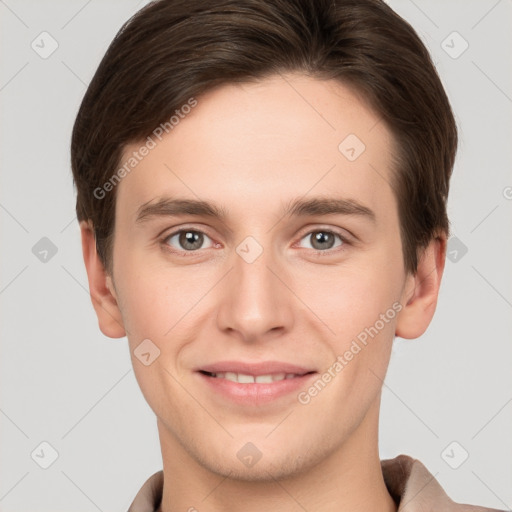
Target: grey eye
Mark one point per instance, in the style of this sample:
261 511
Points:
322 239
188 239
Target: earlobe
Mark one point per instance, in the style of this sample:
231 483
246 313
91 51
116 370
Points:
420 294
101 288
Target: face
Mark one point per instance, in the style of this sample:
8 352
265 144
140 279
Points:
273 319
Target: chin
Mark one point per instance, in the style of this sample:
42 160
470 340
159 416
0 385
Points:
259 460
266 469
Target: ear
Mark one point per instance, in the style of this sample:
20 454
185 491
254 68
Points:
101 286
421 290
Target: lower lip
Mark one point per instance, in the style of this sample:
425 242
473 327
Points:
255 393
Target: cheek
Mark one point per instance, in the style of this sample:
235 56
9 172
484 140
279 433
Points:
349 301
158 302
152 297
155 312
363 316
161 306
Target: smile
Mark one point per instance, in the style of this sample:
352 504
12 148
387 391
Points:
250 384
243 378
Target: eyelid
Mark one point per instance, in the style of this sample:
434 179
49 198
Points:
344 234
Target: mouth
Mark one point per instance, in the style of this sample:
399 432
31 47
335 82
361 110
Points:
244 378
254 384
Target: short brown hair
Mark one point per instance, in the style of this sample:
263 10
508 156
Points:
174 50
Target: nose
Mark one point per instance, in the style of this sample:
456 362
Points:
256 303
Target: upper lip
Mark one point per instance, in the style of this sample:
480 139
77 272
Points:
255 369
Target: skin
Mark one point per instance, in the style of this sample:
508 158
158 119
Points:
251 149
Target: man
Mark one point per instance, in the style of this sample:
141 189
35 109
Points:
218 147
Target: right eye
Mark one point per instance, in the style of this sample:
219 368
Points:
187 240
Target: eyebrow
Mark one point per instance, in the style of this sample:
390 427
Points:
166 207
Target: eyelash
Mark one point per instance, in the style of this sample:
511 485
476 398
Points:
316 252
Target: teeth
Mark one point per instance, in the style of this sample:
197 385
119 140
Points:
245 379
242 378
263 379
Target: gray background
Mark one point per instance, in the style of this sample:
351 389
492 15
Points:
64 383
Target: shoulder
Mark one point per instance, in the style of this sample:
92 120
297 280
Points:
411 484
150 494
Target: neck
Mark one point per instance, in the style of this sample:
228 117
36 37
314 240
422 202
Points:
347 479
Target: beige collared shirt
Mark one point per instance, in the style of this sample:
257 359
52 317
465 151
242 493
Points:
408 481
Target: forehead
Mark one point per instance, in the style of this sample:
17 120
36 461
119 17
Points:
277 139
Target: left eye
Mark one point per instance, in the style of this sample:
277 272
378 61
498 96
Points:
322 240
